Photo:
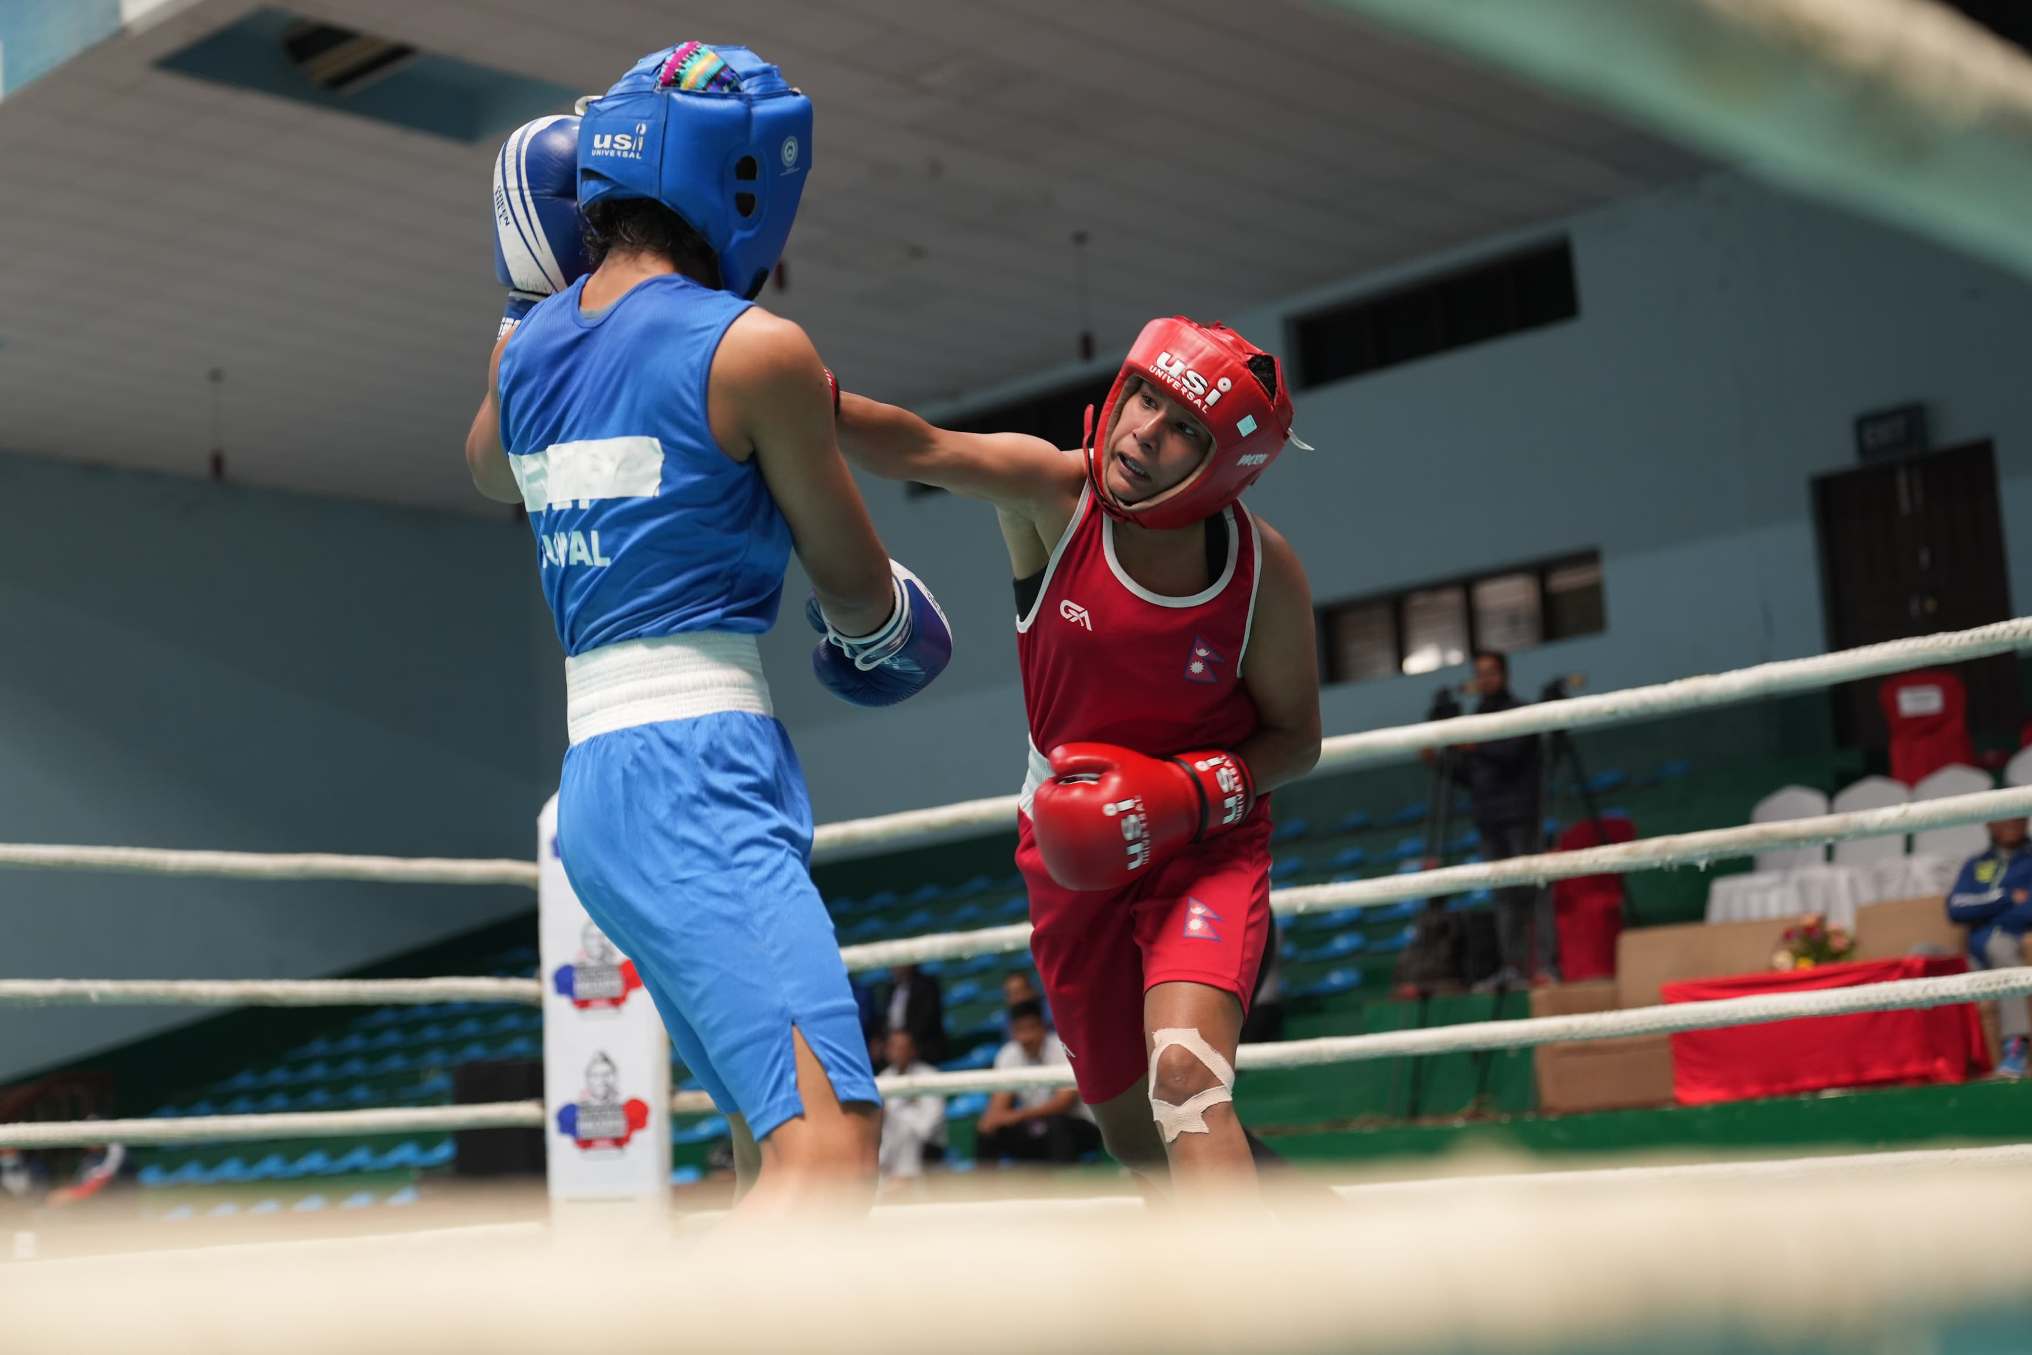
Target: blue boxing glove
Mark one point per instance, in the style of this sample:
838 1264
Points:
896 662
539 238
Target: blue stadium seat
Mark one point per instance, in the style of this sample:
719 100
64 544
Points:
1331 983
1677 769
1390 945
686 1176
922 920
980 1056
704 1131
1348 858
966 915
1608 779
925 892
229 1172
880 899
1013 907
399 1155
1409 848
979 884
1465 843
1291 830
359 1158
316 1162
405 1196
439 1154
1284 867
1354 821
964 991
274 1167
966 1107
1411 813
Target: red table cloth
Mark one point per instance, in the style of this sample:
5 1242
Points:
1931 1044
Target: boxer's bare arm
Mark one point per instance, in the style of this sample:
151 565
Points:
1031 483
486 459
768 399
1281 668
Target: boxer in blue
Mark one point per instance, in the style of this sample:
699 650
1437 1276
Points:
673 443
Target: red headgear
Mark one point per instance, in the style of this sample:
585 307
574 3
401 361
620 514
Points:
1206 369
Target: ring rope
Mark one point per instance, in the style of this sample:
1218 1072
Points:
1697 849
416 870
1675 849
1763 1009
263 992
918 827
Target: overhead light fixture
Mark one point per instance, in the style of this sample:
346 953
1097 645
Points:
340 60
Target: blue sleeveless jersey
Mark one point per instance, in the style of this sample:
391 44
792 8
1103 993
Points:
643 525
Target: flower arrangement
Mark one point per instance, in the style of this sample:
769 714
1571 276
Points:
1812 942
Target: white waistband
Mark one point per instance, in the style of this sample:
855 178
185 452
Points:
669 677
1035 773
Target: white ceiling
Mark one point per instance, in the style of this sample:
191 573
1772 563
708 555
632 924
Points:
337 270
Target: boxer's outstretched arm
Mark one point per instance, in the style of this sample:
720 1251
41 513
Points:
1281 668
486 459
1013 471
769 398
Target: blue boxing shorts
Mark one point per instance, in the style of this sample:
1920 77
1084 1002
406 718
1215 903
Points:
689 843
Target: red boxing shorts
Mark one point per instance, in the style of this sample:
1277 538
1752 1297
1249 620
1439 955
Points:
1201 917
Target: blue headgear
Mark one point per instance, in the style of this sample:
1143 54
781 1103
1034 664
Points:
715 135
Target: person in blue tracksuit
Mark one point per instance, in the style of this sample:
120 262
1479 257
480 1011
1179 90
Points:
1992 897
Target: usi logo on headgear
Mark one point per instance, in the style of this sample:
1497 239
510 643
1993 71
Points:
1185 379
625 145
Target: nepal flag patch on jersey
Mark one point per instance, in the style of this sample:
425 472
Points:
1204 663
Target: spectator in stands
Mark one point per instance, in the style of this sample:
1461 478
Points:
913 1127
1038 1125
1018 988
913 1002
1503 781
1992 897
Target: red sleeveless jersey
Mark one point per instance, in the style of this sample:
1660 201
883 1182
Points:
1105 659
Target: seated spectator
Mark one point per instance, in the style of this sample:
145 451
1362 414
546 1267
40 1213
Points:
1017 988
913 1127
1992 897
1037 1125
912 1002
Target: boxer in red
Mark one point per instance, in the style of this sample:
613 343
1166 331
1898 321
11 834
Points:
1165 636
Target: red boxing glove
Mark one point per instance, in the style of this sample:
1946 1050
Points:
1108 813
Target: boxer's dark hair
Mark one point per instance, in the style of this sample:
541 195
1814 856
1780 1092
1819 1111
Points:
640 225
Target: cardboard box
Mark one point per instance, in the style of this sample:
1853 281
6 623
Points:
1597 1074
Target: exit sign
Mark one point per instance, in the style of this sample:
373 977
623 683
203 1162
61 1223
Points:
1886 434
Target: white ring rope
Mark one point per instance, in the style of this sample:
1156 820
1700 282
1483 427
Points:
1697 849
309 1124
417 870
1647 853
262 992
918 827
1530 1032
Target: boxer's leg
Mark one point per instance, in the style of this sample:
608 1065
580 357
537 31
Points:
1202 926
1085 947
695 835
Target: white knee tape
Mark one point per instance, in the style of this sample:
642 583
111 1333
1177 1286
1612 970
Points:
1189 1118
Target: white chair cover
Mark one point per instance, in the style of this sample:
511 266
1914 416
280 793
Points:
1790 802
2018 771
1953 844
1872 792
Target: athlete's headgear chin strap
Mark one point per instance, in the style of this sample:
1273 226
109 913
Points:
1206 369
715 135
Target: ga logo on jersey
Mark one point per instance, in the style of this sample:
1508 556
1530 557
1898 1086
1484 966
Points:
1076 614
